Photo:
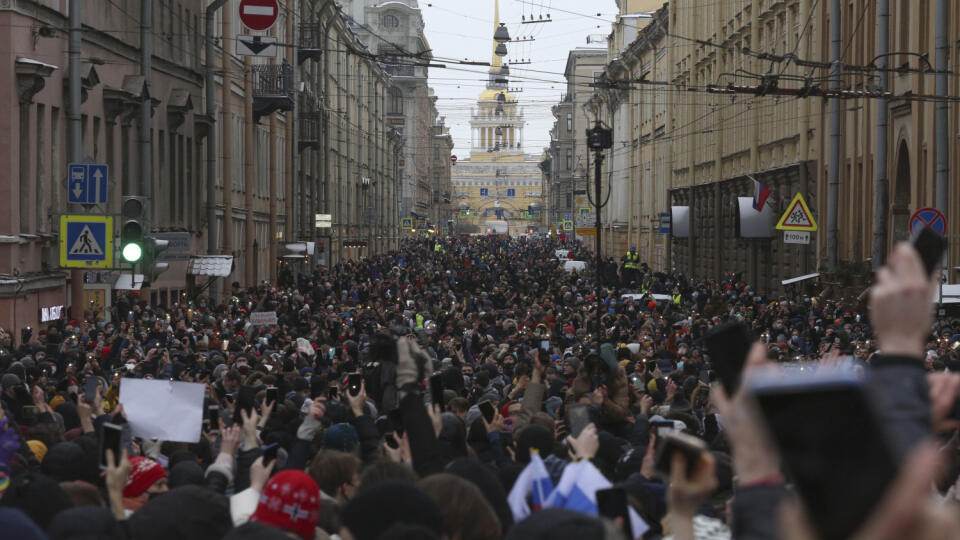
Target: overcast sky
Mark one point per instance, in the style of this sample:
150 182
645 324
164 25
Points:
463 29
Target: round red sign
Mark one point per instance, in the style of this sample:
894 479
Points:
259 14
453 159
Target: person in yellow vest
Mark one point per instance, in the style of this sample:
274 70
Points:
437 247
631 262
677 297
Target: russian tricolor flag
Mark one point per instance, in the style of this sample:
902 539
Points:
760 195
534 482
577 491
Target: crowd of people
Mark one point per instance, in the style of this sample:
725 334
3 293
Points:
415 393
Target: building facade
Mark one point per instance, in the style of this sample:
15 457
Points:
572 164
297 135
691 141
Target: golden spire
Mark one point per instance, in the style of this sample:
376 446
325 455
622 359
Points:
497 61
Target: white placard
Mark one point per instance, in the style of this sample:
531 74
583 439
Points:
163 410
263 318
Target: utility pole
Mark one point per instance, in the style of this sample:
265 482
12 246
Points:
76 136
833 191
146 133
211 111
882 197
599 139
941 120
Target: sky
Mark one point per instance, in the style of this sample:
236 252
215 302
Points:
463 29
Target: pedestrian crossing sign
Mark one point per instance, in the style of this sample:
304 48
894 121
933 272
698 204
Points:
406 223
86 241
798 216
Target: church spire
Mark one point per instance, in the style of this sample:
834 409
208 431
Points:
497 61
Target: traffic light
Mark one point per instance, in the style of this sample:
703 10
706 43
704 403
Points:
152 266
131 232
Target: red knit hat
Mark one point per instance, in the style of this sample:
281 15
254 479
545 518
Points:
143 473
290 501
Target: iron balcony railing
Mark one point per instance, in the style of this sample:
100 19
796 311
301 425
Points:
273 81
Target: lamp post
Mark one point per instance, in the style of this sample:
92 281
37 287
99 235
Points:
599 139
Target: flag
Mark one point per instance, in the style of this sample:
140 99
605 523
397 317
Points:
534 482
760 195
577 491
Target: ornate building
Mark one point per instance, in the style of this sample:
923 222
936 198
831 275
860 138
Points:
498 182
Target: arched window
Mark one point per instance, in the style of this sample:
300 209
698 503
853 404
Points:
395 98
390 21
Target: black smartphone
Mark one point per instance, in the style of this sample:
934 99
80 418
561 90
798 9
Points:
246 401
662 427
931 247
436 389
396 418
90 388
842 464
111 439
671 442
728 346
578 416
486 408
354 382
333 393
30 413
213 418
272 394
612 504
392 441
270 453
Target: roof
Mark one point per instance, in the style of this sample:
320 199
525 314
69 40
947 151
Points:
210 265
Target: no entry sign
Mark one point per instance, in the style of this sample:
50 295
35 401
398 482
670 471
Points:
259 14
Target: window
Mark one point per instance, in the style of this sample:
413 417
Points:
569 160
390 21
511 193
484 192
569 121
395 104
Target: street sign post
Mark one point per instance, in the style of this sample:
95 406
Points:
798 217
664 223
259 14
86 241
262 46
928 217
87 183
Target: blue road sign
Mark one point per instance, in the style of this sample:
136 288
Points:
86 241
87 183
928 217
664 223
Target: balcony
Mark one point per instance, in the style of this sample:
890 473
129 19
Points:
310 42
310 125
272 89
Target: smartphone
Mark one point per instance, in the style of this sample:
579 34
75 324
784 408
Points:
273 394
931 247
110 439
545 347
577 418
213 417
486 408
436 389
396 418
333 392
612 504
728 346
391 439
270 453
246 401
354 382
223 345
90 388
30 413
668 444
842 464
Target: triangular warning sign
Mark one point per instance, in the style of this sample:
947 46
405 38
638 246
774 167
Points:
86 243
798 216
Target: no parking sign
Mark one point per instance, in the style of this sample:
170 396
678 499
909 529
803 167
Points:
928 217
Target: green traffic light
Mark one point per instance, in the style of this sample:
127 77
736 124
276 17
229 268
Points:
132 253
